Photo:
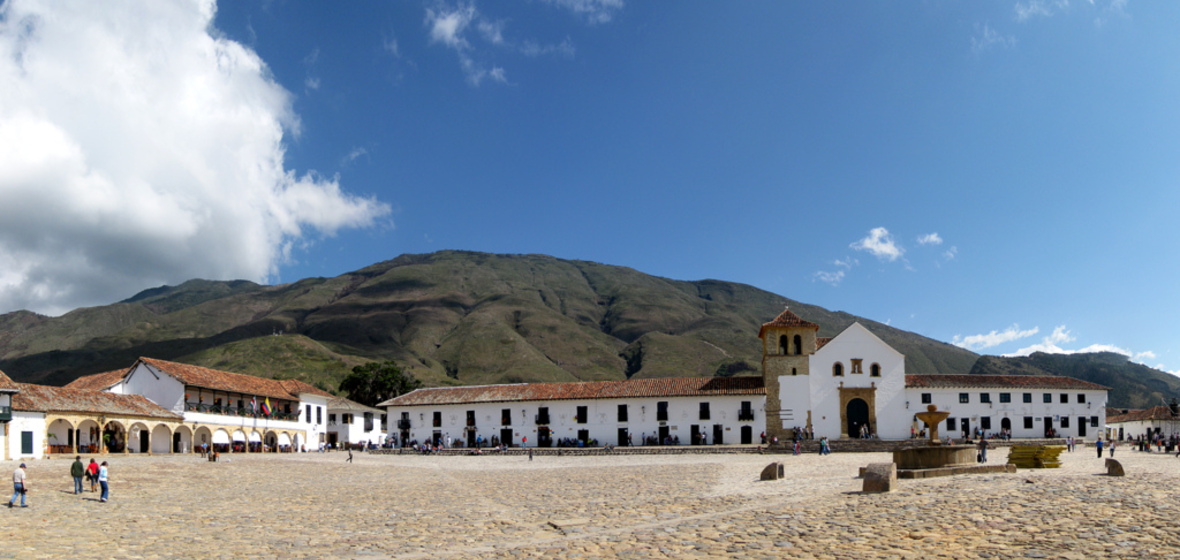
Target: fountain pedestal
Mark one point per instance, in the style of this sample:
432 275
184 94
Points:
933 458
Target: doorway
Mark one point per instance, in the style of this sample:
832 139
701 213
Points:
144 442
965 428
857 412
663 435
1006 425
747 435
506 437
623 439
695 435
718 434
1048 426
1082 428
543 438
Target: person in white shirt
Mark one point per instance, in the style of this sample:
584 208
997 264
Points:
20 486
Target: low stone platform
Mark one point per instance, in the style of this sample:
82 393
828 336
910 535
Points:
955 471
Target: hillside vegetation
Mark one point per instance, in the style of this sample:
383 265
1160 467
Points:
449 317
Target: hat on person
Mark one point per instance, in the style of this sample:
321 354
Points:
22 465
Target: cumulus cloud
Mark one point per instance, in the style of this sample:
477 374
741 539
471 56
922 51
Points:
951 253
880 244
595 11
833 277
1052 345
995 338
1039 8
139 146
930 239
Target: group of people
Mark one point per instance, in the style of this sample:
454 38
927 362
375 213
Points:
94 473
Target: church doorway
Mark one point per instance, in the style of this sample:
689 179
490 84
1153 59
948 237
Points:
858 415
1006 425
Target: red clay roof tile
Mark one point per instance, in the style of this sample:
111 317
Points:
98 381
631 388
43 398
787 319
948 381
6 384
206 378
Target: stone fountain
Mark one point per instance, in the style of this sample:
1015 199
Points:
933 454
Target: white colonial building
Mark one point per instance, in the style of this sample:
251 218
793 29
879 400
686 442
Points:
855 383
225 411
1162 421
350 422
688 411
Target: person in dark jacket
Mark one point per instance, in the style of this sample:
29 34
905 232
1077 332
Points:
78 470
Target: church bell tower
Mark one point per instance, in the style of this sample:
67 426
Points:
787 345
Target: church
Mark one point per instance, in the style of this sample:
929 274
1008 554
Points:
855 384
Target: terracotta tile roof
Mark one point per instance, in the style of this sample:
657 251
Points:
1154 413
43 398
632 388
941 381
341 403
206 378
6 384
98 381
787 319
820 341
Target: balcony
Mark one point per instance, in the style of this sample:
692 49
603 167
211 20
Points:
745 415
403 424
245 412
5 413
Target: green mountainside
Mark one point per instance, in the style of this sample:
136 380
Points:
449 317
1131 385
460 318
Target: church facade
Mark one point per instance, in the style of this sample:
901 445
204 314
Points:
855 384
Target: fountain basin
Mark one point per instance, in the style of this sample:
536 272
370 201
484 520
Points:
934 456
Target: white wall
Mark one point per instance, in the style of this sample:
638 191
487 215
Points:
856 342
355 431
602 422
974 410
30 422
157 386
316 430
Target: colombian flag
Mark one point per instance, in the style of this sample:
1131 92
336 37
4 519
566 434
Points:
266 406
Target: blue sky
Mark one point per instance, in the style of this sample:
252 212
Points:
1000 175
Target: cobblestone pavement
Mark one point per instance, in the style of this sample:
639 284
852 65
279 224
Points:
659 506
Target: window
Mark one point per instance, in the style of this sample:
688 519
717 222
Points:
985 398
346 419
1064 421
1028 421
368 421
662 411
470 419
783 345
927 398
875 370
1005 397
964 398
622 413
437 417
543 415
985 422
331 419
1081 397
309 414
1064 398
856 366
1028 397
704 411
240 405
950 424
1047 398
1093 421
583 414
837 369
319 415
506 417
384 419
746 412
798 345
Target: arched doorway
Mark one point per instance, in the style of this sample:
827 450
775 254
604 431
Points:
138 438
858 415
61 436
284 442
161 439
114 437
88 436
220 441
202 439
182 440
1006 425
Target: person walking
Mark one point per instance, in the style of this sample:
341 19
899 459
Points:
1112 448
1099 445
92 474
103 474
78 470
982 450
349 453
20 486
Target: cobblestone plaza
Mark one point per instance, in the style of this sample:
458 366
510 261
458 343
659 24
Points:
621 506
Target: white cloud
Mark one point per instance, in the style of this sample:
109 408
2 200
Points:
1039 8
447 25
595 11
533 49
311 83
951 253
880 244
498 75
994 338
847 263
353 155
492 31
391 47
988 38
1052 345
832 278
139 146
930 239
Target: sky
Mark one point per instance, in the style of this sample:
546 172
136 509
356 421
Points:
998 175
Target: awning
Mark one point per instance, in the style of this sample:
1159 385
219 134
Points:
239 435
220 437
255 437
284 439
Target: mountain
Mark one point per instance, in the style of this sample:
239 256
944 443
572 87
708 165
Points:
1131 385
450 317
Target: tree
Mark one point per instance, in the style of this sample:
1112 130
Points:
376 382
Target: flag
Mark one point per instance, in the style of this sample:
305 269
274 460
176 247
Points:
254 405
266 406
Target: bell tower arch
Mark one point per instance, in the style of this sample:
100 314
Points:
787 345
